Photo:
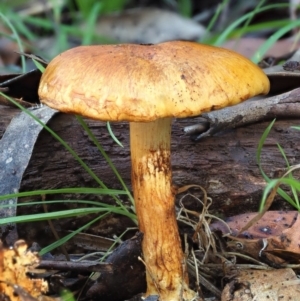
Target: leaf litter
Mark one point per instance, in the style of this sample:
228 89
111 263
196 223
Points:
257 264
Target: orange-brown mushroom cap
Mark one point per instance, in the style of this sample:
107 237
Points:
147 82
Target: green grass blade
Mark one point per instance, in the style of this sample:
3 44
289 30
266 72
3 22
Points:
112 134
83 190
21 27
283 155
282 193
106 157
260 147
103 206
91 23
224 36
18 40
75 155
214 19
64 214
51 215
254 13
290 175
66 145
272 39
64 202
185 8
66 295
66 238
38 65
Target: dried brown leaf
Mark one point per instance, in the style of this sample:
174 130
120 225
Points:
269 285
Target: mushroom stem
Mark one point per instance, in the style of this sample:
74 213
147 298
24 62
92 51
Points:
155 208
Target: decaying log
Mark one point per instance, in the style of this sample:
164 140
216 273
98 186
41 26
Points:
225 165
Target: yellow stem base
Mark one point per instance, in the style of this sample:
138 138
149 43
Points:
155 208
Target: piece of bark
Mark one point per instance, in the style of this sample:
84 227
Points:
83 267
128 277
21 86
225 165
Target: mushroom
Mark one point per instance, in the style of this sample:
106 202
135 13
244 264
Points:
148 85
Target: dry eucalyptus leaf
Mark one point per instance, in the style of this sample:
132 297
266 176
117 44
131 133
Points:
258 285
148 25
16 148
273 223
249 45
274 239
15 263
287 243
282 80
